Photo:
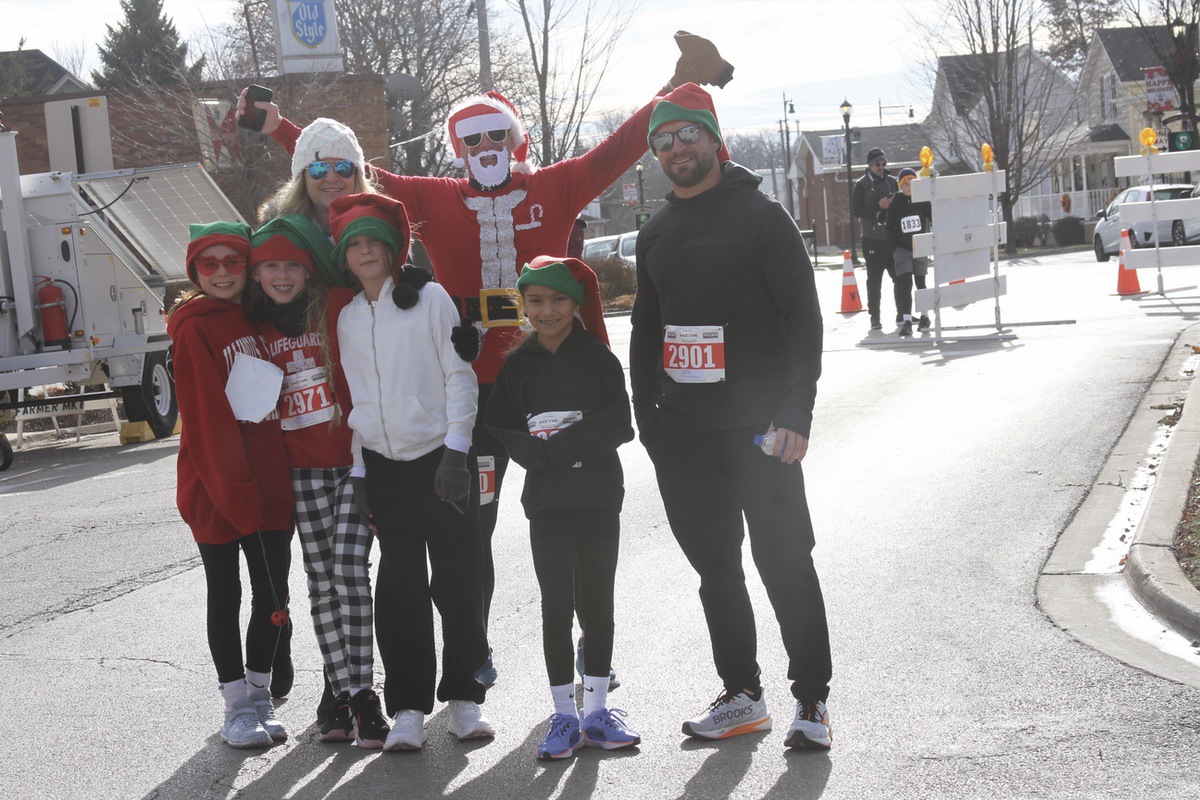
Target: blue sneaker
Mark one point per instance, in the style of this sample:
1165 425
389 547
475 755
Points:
613 681
606 728
487 673
562 739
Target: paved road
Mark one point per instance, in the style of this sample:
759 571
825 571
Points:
940 480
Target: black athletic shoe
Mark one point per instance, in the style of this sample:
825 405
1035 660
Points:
923 323
905 328
876 325
326 706
370 726
337 726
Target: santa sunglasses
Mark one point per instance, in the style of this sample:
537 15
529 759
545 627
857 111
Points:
319 169
664 141
208 266
473 139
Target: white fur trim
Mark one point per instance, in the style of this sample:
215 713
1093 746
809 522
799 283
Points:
482 124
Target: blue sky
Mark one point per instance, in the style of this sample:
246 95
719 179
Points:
816 51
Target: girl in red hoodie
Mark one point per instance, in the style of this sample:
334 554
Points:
298 322
233 487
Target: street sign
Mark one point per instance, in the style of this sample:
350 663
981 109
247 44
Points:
629 194
833 151
1182 140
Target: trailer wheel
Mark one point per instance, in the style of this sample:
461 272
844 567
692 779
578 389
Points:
6 453
153 401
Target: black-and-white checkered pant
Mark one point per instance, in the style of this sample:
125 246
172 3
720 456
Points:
337 550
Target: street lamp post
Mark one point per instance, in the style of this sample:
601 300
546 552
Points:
846 108
1183 35
788 108
642 212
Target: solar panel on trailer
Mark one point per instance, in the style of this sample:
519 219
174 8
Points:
155 211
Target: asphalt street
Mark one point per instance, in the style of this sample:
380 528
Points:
941 479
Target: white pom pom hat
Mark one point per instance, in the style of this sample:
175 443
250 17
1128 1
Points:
324 139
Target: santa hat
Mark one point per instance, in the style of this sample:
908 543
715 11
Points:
689 103
325 139
576 280
375 215
293 237
204 236
489 112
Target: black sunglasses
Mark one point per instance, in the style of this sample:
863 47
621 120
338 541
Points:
319 169
665 140
473 139
879 164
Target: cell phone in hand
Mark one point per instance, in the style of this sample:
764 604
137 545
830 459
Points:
254 117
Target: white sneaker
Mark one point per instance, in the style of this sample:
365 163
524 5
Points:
730 714
265 710
241 728
811 728
408 731
467 721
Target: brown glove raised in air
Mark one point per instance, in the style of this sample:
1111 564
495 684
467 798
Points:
699 62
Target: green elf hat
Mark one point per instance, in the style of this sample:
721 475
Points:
576 280
204 236
369 214
688 103
294 237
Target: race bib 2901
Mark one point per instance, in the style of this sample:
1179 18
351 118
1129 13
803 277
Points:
694 353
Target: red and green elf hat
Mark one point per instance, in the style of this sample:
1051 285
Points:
688 103
204 236
576 280
294 237
367 214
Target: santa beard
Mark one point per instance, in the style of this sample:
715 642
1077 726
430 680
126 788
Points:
490 177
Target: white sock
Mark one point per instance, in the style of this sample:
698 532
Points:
257 682
595 694
908 317
564 698
233 693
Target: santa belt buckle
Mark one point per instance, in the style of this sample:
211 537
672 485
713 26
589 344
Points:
500 308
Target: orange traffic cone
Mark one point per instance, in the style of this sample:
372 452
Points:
1127 279
851 301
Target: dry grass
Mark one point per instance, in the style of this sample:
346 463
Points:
1187 534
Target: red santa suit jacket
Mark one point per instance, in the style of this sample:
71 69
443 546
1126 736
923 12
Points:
479 240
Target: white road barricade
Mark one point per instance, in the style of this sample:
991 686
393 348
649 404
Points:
1154 211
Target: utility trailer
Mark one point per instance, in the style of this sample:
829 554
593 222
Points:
88 262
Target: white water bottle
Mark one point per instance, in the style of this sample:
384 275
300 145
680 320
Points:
765 442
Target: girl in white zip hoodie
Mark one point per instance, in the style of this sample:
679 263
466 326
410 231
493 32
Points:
414 402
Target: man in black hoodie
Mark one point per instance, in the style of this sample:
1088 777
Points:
872 195
726 344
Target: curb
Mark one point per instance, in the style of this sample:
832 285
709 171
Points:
1151 570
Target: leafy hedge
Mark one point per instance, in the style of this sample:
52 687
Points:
1068 231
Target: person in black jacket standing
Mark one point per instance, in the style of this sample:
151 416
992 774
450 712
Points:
726 344
905 219
872 195
561 411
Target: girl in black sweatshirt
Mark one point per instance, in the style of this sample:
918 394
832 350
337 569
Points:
561 410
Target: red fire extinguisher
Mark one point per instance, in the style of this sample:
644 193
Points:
53 307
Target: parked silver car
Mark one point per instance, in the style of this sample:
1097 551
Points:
1107 239
620 244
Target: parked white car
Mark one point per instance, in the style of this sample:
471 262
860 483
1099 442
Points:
1107 239
621 244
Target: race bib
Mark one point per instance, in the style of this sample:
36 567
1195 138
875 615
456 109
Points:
487 479
548 423
694 353
307 399
910 224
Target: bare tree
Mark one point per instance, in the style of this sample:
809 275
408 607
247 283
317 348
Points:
762 150
1002 92
567 69
71 56
1176 49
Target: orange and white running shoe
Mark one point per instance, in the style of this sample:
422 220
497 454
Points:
730 714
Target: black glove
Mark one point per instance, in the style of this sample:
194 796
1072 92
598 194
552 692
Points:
699 62
466 340
408 285
453 480
360 501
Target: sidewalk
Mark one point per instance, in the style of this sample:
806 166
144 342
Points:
1112 580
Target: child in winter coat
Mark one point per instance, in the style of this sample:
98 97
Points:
415 402
905 219
298 320
561 410
233 489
